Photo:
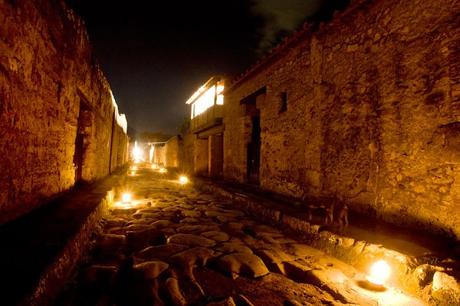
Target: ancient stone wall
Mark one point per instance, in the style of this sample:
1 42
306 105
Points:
56 107
200 160
188 153
159 156
173 152
372 113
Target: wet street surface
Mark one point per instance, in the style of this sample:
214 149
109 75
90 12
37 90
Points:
174 245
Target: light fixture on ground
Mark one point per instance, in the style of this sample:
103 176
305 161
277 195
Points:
126 198
163 170
183 179
379 273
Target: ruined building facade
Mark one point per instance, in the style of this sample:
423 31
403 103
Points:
203 145
59 121
366 106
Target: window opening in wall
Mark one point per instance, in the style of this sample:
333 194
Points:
283 102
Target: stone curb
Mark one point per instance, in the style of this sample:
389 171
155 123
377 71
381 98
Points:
359 254
54 277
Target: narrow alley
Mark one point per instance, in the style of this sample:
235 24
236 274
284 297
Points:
170 244
245 152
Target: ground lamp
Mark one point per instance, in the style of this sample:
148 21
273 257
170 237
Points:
163 170
379 273
126 198
183 180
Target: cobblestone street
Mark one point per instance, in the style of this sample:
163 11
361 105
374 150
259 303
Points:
173 245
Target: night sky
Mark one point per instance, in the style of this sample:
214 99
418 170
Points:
157 53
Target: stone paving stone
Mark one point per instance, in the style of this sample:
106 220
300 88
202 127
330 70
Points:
161 251
233 247
226 302
192 213
243 264
190 248
100 274
197 256
111 243
175 294
151 269
192 240
190 220
161 223
216 236
445 288
197 228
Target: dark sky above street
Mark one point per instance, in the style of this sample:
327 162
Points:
157 53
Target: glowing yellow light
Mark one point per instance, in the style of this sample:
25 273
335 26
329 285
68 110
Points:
163 170
126 197
134 168
379 273
183 180
138 154
154 166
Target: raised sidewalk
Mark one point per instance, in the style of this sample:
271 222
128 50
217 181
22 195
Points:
39 251
425 265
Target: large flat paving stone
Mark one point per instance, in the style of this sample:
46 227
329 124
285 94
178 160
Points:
161 251
191 240
244 264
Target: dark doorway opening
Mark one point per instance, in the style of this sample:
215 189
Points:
253 152
82 139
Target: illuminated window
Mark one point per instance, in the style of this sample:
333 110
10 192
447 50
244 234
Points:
206 97
205 101
220 94
283 102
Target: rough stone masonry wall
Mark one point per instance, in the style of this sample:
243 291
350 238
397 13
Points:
173 152
46 69
373 113
188 153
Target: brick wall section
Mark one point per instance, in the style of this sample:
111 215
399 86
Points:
373 113
46 70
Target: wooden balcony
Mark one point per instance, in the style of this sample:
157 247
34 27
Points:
210 118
